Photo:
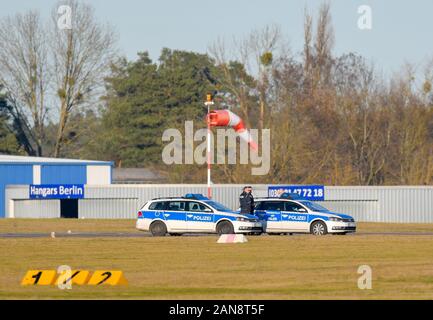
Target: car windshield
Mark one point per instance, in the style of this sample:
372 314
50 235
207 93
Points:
314 206
217 206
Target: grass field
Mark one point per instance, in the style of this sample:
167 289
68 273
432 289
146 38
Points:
267 267
127 226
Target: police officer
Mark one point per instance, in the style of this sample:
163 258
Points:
246 201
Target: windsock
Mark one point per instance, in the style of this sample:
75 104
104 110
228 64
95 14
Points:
226 118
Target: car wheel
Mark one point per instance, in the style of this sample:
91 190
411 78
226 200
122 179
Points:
318 228
158 229
225 227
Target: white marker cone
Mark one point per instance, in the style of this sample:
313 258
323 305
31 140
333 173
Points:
232 238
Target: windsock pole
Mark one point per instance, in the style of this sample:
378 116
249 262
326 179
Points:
209 102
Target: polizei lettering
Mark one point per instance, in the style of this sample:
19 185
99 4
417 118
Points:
297 218
202 218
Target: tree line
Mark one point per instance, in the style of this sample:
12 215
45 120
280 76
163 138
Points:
334 119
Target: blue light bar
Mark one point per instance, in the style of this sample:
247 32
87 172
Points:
290 196
195 196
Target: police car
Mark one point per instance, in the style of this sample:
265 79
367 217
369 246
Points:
193 213
289 214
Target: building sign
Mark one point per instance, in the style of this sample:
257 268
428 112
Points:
314 193
56 191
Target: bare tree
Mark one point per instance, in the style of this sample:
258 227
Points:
318 51
366 120
324 43
81 58
254 56
234 77
263 43
308 25
24 76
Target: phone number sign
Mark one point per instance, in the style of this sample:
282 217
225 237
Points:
313 193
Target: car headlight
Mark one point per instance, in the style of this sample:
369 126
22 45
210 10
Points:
335 219
241 219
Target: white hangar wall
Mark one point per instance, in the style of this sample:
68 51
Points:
405 204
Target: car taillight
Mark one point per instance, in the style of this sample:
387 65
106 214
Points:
140 214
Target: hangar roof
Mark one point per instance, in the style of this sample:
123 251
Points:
41 160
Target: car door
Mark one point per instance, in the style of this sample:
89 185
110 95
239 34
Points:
155 210
175 215
295 217
270 213
199 217
258 210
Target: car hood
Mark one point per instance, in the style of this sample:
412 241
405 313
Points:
249 216
343 216
236 214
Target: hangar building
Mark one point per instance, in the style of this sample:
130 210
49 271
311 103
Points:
19 170
61 188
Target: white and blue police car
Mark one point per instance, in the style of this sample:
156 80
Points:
193 213
290 214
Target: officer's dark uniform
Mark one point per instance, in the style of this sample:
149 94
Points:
246 201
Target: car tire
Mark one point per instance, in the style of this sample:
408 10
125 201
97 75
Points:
318 228
158 229
225 227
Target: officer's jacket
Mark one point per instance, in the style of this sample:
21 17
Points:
246 201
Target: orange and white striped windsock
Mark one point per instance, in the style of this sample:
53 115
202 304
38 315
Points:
226 118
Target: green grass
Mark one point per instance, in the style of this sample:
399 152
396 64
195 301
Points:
64 225
128 226
277 267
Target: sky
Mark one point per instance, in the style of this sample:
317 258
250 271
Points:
402 31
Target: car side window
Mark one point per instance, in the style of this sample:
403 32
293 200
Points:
199 207
258 205
273 206
294 207
176 206
159 205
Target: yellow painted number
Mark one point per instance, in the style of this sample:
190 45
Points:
112 277
39 277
